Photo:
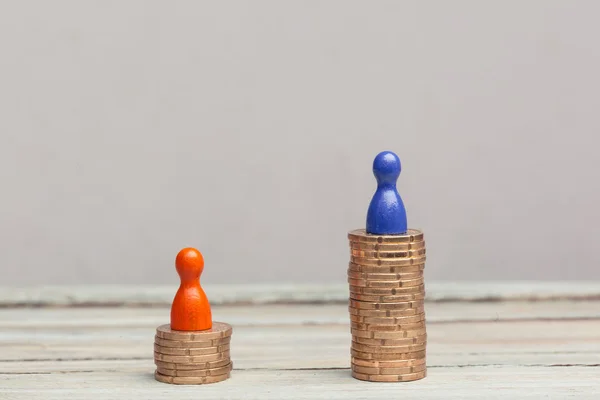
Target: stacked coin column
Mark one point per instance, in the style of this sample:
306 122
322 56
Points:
387 314
193 357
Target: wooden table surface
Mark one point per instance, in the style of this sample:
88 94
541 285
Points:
509 347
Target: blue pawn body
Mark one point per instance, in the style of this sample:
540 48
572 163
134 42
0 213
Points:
386 215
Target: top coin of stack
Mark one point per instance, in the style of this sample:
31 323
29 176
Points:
387 291
192 349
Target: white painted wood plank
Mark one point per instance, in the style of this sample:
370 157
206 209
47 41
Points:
292 314
319 346
441 383
269 293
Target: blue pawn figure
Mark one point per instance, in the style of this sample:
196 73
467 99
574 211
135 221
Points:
386 215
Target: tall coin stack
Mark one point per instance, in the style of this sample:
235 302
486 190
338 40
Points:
192 357
387 314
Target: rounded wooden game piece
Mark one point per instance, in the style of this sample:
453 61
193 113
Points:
190 310
190 380
219 330
386 214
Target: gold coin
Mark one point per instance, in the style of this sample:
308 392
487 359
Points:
387 334
388 364
387 328
400 306
178 351
402 298
388 371
196 372
357 245
190 380
190 344
385 269
390 378
397 300
219 330
192 366
390 291
388 349
387 255
361 235
388 262
388 356
373 276
191 359
408 312
386 284
387 320
391 342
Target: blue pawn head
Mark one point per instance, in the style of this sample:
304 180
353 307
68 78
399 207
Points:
386 215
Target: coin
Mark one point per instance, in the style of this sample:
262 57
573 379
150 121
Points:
190 380
196 372
408 312
385 269
399 303
190 344
386 255
387 356
391 342
388 262
387 364
397 300
387 335
386 246
386 284
360 235
219 330
388 371
400 306
178 351
383 277
191 359
388 328
388 349
387 320
192 366
390 378
387 291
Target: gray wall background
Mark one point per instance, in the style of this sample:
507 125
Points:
131 129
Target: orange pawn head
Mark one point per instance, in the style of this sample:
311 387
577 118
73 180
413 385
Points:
190 310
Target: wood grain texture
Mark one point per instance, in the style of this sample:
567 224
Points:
513 349
151 295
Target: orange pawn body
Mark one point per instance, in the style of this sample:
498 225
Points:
190 310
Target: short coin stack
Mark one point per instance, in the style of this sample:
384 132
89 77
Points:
387 315
192 357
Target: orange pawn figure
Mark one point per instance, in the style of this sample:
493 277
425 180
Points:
190 310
